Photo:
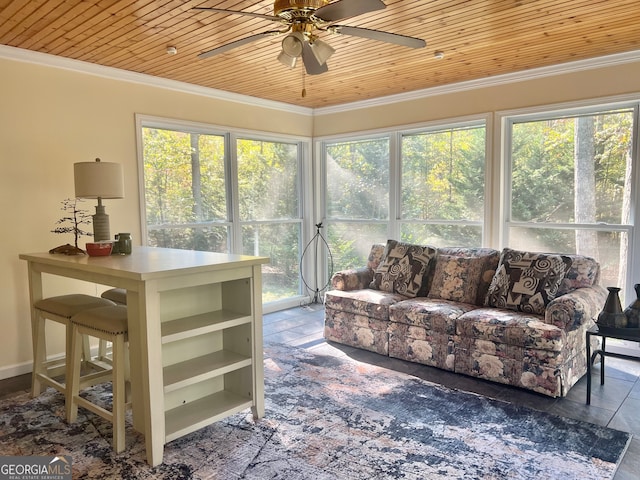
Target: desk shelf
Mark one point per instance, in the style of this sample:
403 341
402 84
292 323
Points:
201 324
202 368
195 415
208 345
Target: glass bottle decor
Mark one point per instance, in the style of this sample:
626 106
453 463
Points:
124 243
632 312
612 315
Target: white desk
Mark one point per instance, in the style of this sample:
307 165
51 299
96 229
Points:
195 333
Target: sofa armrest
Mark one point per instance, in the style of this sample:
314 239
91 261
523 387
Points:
352 279
575 308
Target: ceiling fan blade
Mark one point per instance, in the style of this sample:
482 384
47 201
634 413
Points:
238 12
238 43
347 8
387 37
311 64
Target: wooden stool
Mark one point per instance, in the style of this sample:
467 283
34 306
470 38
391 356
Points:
59 309
110 324
119 297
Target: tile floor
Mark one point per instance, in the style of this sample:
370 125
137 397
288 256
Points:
616 404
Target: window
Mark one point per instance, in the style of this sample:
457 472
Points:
442 193
269 211
225 192
357 177
569 186
185 190
433 195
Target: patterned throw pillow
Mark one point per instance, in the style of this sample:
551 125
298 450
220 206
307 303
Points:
403 268
526 281
457 278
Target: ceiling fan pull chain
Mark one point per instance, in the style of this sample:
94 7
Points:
304 90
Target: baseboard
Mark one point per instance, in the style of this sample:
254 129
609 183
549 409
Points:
27 367
15 370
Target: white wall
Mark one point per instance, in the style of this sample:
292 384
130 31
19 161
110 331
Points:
612 76
53 117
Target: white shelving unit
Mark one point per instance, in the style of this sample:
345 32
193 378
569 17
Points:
208 350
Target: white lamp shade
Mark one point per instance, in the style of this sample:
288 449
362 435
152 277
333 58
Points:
98 180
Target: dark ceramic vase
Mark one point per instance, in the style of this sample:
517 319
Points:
612 315
632 312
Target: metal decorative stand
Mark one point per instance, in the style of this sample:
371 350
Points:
318 242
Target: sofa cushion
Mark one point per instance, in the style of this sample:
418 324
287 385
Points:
403 268
490 256
520 329
526 281
456 278
367 302
431 314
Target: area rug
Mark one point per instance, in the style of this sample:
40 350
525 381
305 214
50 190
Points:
331 417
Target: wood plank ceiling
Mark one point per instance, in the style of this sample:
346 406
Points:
479 38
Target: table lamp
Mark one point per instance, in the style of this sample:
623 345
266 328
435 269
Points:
99 180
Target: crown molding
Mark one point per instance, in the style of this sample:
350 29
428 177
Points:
46 59
532 74
28 56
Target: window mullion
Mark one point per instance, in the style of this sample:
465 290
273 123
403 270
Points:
233 193
395 189
633 272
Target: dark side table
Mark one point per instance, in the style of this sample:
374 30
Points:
632 334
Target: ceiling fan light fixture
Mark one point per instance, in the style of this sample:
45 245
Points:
321 50
301 19
287 60
292 44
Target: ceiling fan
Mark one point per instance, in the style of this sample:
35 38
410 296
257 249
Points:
302 20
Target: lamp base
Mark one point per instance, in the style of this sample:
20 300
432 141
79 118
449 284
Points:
101 225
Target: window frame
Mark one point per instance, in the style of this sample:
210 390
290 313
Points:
394 136
233 221
507 119
437 127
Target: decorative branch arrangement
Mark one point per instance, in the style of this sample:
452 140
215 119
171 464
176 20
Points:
71 223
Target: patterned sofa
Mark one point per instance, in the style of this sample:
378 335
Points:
517 318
